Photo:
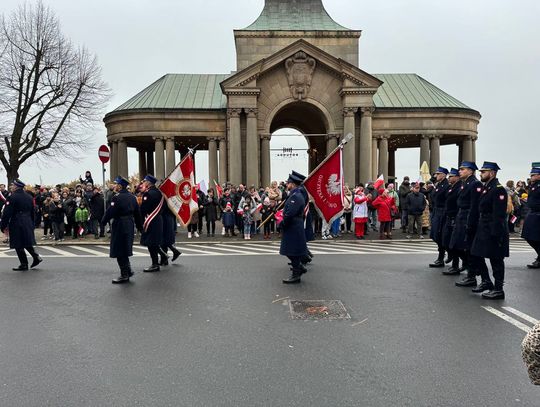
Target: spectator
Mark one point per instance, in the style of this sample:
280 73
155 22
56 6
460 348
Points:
210 212
266 212
385 205
57 213
347 208
404 190
97 211
47 226
247 218
81 219
360 212
87 179
416 203
228 219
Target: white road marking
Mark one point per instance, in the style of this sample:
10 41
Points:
189 248
87 250
262 249
60 251
507 318
226 249
522 315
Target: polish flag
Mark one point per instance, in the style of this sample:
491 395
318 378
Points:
180 192
325 186
257 208
379 183
219 190
279 216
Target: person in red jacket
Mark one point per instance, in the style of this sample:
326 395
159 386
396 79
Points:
384 204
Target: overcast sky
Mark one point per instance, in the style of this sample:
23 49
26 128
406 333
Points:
483 52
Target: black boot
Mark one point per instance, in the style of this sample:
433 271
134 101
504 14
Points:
37 260
120 280
176 253
22 267
452 271
534 265
483 286
494 295
437 263
468 281
164 261
153 268
294 277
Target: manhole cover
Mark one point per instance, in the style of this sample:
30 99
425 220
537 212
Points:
318 309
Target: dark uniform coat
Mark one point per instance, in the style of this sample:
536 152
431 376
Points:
293 242
438 199
169 226
531 227
18 217
124 212
450 212
308 218
492 240
153 236
467 216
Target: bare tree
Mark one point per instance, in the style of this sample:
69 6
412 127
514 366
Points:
51 92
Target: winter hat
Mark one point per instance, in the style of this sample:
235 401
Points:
266 201
228 205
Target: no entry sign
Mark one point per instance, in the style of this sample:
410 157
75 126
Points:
104 154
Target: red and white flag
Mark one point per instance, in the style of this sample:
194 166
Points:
219 190
379 182
180 192
325 186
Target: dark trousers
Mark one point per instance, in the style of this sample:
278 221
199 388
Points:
497 266
21 254
154 254
210 227
47 226
536 246
295 261
125 266
440 250
97 227
348 221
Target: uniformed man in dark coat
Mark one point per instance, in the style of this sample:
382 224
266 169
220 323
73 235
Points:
18 218
125 216
438 199
491 240
308 219
531 226
293 242
467 221
450 212
151 212
169 236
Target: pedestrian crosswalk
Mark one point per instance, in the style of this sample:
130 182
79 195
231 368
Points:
255 248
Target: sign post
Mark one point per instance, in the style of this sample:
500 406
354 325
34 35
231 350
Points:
104 155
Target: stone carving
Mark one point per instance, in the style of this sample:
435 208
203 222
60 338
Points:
300 69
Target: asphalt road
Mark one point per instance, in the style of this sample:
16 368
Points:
216 331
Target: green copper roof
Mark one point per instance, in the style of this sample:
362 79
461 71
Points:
191 91
411 90
180 91
294 15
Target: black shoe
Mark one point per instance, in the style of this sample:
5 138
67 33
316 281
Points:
153 268
494 295
462 269
164 261
131 273
437 263
120 280
302 268
448 260
22 267
293 279
36 261
176 254
535 265
466 282
483 286
452 271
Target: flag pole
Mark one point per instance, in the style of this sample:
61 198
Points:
345 140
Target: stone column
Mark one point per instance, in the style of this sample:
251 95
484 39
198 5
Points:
392 164
460 153
142 163
435 153
265 159
160 163
170 162
331 142
383 155
424 150
235 146
374 158
467 149
252 149
149 163
122 158
349 150
113 168
474 138
212 160
364 173
223 161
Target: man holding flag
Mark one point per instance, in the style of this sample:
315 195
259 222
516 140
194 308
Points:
151 207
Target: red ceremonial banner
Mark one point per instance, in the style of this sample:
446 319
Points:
325 186
180 192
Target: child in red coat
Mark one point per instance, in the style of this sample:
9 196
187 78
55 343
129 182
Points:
384 204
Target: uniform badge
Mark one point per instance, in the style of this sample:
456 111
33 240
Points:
7 203
449 190
501 197
478 189
145 198
112 203
485 192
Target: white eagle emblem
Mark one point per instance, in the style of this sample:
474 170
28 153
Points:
333 186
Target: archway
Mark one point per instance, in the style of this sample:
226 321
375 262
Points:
291 151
